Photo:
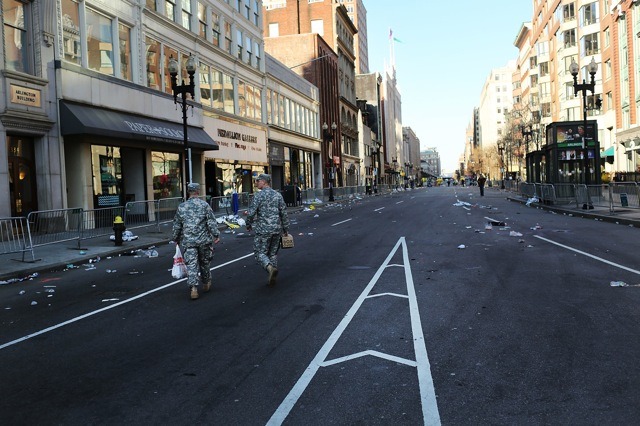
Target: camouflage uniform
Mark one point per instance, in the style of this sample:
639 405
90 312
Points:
268 212
195 228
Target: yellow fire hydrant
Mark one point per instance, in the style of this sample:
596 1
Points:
118 229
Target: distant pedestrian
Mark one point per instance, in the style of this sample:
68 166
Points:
481 181
196 230
268 212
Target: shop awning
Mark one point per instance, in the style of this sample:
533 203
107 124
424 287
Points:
78 119
609 152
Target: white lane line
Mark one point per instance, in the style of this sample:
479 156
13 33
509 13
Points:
377 210
106 308
608 262
425 381
340 223
388 357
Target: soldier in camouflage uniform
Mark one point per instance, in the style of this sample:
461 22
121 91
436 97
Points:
196 230
268 212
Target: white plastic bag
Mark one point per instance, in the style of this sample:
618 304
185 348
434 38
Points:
179 269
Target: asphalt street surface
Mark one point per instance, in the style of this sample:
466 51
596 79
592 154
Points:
403 309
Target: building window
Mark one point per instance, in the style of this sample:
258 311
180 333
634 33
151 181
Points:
317 26
256 53
154 71
168 53
169 7
124 48
544 68
533 62
274 30
167 180
215 27
569 12
569 38
239 39
256 13
545 109
229 94
205 84
607 69
99 43
17 45
71 32
247 46
589 14
186 14
607 37
609 105
590 44
151 4
202 20
227 37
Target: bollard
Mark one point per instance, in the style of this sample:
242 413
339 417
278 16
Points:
118 229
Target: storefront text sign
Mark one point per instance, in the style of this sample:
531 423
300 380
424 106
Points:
236 142
25 96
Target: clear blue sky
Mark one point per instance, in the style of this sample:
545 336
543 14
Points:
446 52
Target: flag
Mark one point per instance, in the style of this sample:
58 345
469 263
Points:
390 34
397 40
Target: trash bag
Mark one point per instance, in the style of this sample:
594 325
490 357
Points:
179 269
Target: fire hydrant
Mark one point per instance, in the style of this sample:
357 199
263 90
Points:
118 229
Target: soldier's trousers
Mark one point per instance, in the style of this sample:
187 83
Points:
265 249
198 261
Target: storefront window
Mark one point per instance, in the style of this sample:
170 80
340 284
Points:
107 175
167 179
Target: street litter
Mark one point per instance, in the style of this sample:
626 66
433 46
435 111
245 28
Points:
534 228
462 246
619 284
33 303
488 227
150 253
111 271
532 200
515 234
110 300
126 236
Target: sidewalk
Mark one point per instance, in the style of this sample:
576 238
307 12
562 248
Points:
621 215
57 256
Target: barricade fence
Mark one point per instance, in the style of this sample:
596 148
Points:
614 195
15 237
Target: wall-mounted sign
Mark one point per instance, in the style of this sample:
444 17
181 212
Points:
25 96
236 142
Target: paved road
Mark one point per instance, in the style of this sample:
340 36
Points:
403 309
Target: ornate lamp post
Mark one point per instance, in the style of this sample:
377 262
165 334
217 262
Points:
328 137
184 89
501 152
584 87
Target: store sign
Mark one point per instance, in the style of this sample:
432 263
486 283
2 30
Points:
25 96
236 142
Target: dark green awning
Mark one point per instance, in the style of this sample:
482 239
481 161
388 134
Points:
79 119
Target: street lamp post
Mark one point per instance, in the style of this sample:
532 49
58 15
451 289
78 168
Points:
501 151
584 87
183 90
328 136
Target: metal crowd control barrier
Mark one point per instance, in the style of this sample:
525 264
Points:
624 194
54 226
15 236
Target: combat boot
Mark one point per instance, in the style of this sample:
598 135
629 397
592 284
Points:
273 274
206 286
194 292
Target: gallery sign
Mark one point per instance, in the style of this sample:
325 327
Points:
236 142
